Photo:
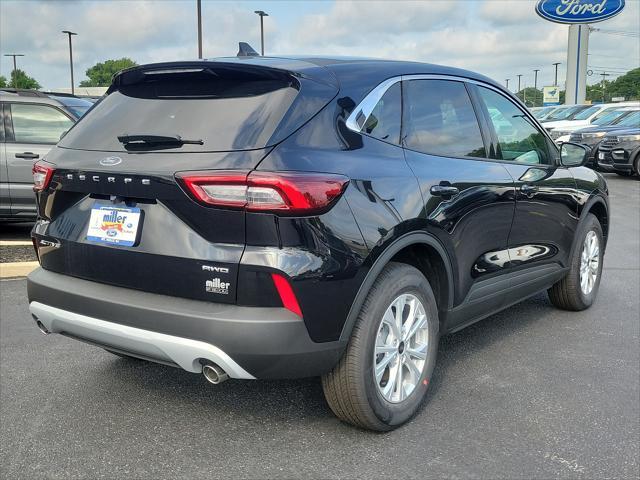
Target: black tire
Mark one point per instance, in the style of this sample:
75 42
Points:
350 388
124 355
636 166
567 294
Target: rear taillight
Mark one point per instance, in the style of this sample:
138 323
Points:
42 174
290 193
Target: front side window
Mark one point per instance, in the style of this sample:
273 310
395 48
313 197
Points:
38 123
439 119
564 113
384 121
608 118
518 139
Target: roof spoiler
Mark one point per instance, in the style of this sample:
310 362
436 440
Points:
245 50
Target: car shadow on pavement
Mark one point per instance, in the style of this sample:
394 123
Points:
292 400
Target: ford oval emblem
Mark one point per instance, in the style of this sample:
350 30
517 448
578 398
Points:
110 161
578 11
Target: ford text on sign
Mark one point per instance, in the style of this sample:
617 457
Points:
578 11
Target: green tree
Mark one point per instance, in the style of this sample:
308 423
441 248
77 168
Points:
3 82
532 97
19 79
100 74
627 86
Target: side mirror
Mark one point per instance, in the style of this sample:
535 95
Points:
573 155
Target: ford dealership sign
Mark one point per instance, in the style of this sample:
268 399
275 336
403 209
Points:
578 11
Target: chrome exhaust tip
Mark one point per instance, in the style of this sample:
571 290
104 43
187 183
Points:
214 374
42 328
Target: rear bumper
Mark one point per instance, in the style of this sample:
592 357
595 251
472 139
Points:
248 342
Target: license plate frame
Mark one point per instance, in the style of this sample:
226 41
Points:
114 225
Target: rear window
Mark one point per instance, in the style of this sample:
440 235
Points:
77 106
225 110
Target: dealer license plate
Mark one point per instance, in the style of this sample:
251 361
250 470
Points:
113 225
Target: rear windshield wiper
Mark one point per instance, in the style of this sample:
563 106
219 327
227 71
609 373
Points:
155 140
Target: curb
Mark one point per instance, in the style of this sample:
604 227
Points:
17 269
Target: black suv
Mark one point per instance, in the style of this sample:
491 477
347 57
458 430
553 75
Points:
619 152
282 218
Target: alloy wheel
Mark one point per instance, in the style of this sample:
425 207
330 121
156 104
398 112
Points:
400 352
589 262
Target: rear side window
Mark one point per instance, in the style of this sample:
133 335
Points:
518 139
439 119
224 109
38 123
384 120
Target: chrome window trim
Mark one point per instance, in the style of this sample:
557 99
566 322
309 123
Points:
369 102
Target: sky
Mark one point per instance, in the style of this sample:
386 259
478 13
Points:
498 38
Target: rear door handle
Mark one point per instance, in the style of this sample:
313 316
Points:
528 190
28 155
443 190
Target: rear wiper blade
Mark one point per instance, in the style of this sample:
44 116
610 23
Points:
143 139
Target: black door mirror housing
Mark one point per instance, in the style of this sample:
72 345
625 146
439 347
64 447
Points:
573 154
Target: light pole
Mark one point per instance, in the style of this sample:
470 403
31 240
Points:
604 74
519 77
262 15
199 29
70 57
507 81
555 82
15 70
535 85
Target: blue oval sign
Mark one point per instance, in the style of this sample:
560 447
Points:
578 11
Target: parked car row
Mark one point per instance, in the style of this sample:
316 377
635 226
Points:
610 131
31 123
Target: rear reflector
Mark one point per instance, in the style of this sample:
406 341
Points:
292 193
289 300
42 174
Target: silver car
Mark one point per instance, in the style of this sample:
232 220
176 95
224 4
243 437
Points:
32 123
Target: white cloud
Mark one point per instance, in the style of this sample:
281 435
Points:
499 38
367 23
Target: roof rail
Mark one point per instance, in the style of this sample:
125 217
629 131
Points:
23 92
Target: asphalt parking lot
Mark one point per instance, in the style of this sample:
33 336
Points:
532 392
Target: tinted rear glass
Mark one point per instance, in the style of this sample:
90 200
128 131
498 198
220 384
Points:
225 111
77 106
